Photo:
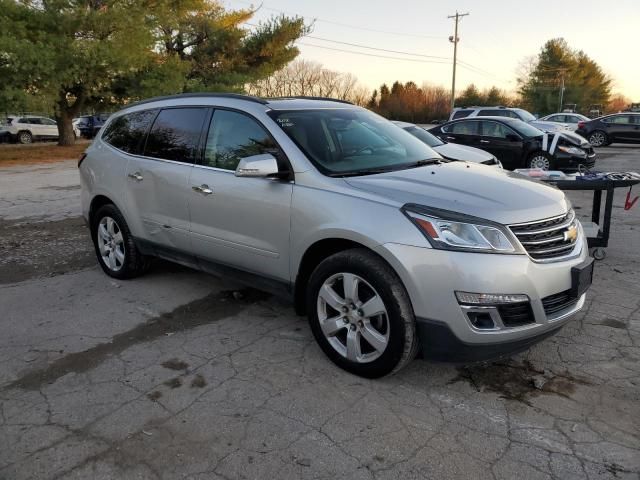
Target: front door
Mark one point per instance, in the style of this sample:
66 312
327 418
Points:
620 128
504 143
158 181
236 221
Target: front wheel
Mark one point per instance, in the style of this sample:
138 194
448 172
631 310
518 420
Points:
540 160
25 138
361 315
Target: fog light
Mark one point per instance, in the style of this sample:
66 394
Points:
481 320
468 298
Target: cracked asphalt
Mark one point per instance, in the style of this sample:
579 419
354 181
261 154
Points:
181 375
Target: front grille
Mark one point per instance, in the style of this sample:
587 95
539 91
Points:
548 239
515 314
557 302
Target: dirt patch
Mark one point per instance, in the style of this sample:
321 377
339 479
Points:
154 396
44 249
198 382
175 364
199 312
610 322
47 152
517 381
174 382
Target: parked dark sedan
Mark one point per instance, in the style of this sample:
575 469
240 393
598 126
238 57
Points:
90 125
619 127
519 145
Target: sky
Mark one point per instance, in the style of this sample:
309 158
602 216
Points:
494 38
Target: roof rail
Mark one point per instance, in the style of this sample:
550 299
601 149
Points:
304 97
237 96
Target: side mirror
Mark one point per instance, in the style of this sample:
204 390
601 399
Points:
512 137
258 166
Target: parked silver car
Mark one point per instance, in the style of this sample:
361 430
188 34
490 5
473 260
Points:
386 247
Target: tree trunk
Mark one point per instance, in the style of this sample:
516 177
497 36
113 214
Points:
65 128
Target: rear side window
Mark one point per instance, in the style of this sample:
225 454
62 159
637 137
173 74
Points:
492 113
461 114
175 134
127 132
234 136
495 129
463 128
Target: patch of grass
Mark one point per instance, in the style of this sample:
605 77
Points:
41 152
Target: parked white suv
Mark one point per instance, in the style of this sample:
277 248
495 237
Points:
26 129
385 245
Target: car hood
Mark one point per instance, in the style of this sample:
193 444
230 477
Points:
478 190
576 139
462 152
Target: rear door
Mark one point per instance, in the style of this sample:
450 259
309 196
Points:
158 180
620 128
465 132
49 128
240 222
35 126
502 141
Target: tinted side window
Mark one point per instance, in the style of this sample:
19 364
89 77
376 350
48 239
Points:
463 128
233 136
618 119
175 134
461 114
495 129
128 132
492 113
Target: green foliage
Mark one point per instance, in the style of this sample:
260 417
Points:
82 54
585 81
488 97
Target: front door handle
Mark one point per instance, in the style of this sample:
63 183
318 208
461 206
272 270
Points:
450 138
203 189
485 141
136 176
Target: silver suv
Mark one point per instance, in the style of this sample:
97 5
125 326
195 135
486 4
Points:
387 247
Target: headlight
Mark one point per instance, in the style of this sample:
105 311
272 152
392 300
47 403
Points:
454 231
572 150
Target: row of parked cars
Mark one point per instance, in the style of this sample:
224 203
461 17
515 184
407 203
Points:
30 128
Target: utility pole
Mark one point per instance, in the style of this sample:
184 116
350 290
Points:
455 39
561 89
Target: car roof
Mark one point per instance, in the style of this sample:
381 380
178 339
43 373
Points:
487 117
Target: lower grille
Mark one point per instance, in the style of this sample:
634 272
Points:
516 314
550 238
557 302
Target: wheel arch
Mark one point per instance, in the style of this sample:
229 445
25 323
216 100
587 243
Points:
314 255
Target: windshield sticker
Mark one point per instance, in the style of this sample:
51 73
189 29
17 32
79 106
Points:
285 122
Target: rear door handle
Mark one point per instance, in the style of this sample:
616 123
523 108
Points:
450 138
485 141
203 189
136 176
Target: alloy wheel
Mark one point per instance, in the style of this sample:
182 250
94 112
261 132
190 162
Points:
353 317
597 139
540 161
111 244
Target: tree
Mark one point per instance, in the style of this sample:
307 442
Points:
96 53
585 82
617 103
488 97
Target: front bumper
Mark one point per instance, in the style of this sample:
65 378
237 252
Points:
432 277
571 163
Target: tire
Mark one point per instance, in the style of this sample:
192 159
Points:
598 138
540 160
393 332
25 137
118 258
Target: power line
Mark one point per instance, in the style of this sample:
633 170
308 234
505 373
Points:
377 49
446 62
340 24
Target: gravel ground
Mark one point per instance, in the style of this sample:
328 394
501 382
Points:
181 375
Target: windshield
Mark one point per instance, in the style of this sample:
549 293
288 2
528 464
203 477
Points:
425 136
524 115
342 142
525 129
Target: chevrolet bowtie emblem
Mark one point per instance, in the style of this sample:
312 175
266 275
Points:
571 234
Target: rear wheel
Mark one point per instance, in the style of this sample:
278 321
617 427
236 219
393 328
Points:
115 247
540 160
25 137
598 139
361 315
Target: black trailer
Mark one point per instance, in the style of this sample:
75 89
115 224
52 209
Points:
598 231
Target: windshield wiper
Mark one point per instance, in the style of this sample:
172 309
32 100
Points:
390 168
428 161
